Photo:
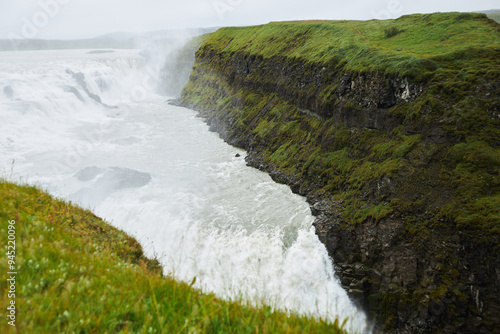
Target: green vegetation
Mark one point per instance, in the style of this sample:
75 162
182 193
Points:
412 46
391 32
453 178
77 274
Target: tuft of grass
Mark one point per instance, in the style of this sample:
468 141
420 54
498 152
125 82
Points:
391 31
78 274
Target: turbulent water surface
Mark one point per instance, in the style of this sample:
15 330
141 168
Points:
90 128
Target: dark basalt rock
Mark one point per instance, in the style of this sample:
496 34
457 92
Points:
360 100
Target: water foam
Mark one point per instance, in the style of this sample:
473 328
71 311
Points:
198 207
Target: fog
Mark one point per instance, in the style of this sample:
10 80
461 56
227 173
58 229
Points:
76 19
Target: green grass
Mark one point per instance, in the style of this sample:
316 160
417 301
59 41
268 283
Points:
376 212
413 45
77 274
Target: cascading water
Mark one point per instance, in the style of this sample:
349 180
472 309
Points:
89 127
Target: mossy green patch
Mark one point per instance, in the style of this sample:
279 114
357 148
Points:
376 212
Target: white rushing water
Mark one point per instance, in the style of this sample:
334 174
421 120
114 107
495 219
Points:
88 127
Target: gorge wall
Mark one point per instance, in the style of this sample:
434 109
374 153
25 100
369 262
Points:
393 137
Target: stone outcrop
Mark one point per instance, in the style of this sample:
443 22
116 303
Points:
357 100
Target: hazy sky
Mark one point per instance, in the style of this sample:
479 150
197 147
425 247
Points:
88 18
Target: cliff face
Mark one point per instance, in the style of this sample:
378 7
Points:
397 154
358 100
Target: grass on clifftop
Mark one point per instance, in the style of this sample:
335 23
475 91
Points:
77 274
413 45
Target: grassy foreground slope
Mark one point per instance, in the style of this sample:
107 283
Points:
77 274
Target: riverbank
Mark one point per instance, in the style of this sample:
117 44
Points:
77 273
390 129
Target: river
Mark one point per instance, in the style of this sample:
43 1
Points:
91 128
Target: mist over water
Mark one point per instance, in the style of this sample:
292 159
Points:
90 127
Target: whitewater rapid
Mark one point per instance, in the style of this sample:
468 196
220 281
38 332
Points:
91 128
